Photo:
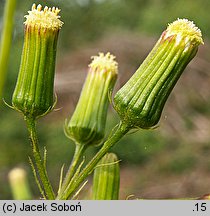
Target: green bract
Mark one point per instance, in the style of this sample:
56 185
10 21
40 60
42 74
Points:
141 100
106 178
34 91
87 125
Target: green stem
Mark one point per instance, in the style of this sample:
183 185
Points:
6 39
31 125
75 183
80 148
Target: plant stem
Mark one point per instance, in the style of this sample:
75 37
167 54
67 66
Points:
31 125
79 150
6 38
75 183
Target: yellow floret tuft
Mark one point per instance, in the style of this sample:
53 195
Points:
104 62
47 18
185 28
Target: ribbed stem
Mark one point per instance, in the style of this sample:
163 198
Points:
75 183
31 125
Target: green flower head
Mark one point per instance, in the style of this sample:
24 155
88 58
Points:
141 100
87 124
34 91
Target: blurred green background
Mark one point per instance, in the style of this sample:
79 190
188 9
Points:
171 161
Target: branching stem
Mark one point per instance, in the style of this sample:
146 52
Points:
75 183
79 150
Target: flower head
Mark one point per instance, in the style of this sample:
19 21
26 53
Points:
87 124
141 100
34 91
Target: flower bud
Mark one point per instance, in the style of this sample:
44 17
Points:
19 184
106 178
87 124
34 91
141 100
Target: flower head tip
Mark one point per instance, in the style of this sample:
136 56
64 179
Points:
141 100
186 29
47 18
104 63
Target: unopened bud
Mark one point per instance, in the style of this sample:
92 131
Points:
87 124
141 100
34 91
106 178
19 184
